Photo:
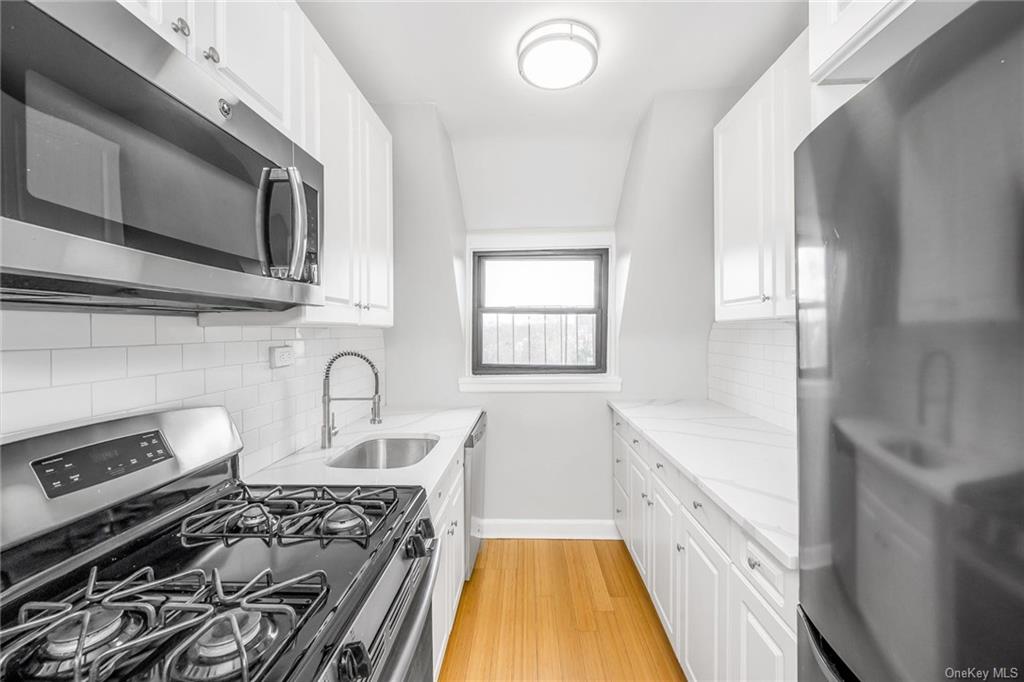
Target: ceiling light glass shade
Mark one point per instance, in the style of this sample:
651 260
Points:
558 54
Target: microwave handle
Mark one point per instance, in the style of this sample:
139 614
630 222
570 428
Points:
299 221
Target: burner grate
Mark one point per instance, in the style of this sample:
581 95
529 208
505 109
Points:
161 612
315 513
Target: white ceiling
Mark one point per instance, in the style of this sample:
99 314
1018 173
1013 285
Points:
461 55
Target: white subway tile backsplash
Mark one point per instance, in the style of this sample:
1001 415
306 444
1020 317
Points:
86 365
118 364
29 329
123 394
178 330
123 330
214 334
178 385
23 410
202 355
24 369
752 368
143 360
223 378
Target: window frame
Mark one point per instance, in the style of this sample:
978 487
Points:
601 255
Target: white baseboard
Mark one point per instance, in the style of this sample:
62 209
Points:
557 529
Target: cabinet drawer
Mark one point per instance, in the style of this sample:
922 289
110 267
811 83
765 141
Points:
708 514
444 486
627 432
776 584
664 469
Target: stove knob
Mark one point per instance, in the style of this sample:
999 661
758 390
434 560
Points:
354 662
415 547
425 528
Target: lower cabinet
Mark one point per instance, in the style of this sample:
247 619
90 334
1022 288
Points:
759 643
703 596
724 621
450 529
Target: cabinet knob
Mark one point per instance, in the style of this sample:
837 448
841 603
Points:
358 304
636 442
618 423
659 465
643 495
366 306
679 547
211 54
224 107
697 505
181 26
618 511
650 503
618 460
753 563
765 298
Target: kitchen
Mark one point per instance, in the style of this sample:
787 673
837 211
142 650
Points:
480 341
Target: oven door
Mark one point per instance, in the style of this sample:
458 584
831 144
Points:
127 171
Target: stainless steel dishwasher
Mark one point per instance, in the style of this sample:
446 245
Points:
475 462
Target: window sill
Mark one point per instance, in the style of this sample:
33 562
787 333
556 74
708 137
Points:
541 383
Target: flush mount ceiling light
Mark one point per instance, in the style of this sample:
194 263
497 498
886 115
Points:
558 54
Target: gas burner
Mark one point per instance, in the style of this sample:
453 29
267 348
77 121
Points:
344 519
254 518
234 640
78 639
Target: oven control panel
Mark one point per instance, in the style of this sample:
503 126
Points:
87 466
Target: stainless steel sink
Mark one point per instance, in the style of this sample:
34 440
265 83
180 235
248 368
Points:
915 452
385 452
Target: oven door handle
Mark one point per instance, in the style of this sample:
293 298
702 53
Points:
418 613
292 176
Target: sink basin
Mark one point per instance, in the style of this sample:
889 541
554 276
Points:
385 452
915 452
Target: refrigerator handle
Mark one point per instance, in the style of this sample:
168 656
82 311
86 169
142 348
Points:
828 671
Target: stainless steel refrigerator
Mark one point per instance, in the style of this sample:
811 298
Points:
910 242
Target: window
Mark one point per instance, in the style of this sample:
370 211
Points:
540 312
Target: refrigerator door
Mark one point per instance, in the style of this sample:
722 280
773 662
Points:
910 248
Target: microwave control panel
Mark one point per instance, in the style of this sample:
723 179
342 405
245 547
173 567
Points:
87 466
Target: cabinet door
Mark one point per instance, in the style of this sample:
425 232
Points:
174 20
743 206
377 230
665 512
705 587
792 123
256 48
638 498
440 603
457 547
761 647
331 136
620 510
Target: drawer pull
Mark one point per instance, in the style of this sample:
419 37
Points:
636 442
618 423
650 503
618 460
753 563
643 495
697 505
679 547
618 511
659 465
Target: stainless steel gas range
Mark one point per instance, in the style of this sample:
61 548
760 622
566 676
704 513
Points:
132 551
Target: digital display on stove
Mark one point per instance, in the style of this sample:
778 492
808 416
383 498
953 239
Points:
87 466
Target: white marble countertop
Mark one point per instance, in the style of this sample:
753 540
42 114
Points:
309 466
746 466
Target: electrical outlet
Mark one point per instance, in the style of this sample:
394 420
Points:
281 356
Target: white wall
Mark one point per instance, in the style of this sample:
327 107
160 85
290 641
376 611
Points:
540 182
69 367
664 234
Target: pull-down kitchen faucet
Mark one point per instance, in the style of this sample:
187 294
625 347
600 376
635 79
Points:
328 430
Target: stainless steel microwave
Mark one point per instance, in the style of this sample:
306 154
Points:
131 178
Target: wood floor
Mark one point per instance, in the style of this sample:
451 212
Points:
557 610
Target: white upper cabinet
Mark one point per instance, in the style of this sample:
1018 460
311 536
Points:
335 124
256 49
377 230
755 269
852 41
174 20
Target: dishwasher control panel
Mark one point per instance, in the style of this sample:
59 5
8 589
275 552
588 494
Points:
90 465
